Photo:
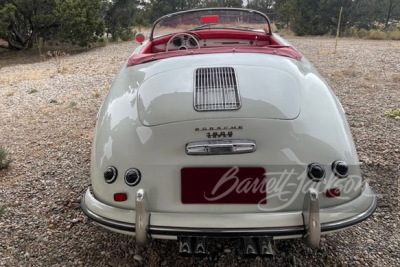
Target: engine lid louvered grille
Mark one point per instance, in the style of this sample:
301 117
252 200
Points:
216 89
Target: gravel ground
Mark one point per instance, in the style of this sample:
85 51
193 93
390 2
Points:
47 118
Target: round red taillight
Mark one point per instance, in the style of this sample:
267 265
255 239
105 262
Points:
140 37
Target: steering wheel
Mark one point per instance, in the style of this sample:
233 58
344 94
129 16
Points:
183 39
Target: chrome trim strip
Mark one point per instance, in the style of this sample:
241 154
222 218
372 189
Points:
226 232
123 226
221 147
276 231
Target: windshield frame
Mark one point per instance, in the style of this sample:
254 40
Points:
163 18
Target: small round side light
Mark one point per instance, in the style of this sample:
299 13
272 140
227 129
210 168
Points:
132 177
316 172
340 169
110 174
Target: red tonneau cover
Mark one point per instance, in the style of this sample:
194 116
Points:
281 50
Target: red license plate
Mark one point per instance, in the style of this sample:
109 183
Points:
223 185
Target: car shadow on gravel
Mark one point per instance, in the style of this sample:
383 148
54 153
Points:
116 249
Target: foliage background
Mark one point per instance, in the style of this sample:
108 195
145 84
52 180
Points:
23 23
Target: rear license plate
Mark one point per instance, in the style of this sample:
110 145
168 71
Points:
223 185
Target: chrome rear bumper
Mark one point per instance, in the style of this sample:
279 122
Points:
309 223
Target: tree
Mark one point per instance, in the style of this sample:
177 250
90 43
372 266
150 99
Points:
285 10
313 17
306 19
329 14
366 14
261 5
119 18
23 22
7 15
222 3
392 7
80 21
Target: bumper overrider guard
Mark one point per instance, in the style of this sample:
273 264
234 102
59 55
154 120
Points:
311 228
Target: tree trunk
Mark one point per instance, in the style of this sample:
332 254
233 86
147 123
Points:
18 42
12 45
389 14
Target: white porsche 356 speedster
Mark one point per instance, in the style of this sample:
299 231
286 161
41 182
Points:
218 127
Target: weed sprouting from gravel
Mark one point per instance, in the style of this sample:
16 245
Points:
2 209
58 57
5 158
10 93
393 113
96 95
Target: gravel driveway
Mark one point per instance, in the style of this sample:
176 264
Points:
47 118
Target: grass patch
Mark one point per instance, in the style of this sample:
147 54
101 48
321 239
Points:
285 32
396 78
31 75
2 209
373 34
5 158
393 113
95 94
10 93
35 54
72 104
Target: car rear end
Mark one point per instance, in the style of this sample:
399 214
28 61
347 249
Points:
239 145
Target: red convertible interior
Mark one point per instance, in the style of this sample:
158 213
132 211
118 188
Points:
209 41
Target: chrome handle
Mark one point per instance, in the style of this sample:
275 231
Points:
220 147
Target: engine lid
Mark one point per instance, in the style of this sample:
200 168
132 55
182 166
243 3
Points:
189 94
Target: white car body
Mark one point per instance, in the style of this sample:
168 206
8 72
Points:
287 118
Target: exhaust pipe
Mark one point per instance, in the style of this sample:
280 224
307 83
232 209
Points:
249 247
264 244
185 246
200 247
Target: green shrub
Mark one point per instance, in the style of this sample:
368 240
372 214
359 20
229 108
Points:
2 209
376 35
127 35
393 113
350 32
394 34
362 33
5 158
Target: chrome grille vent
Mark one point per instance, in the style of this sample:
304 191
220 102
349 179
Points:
216 89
